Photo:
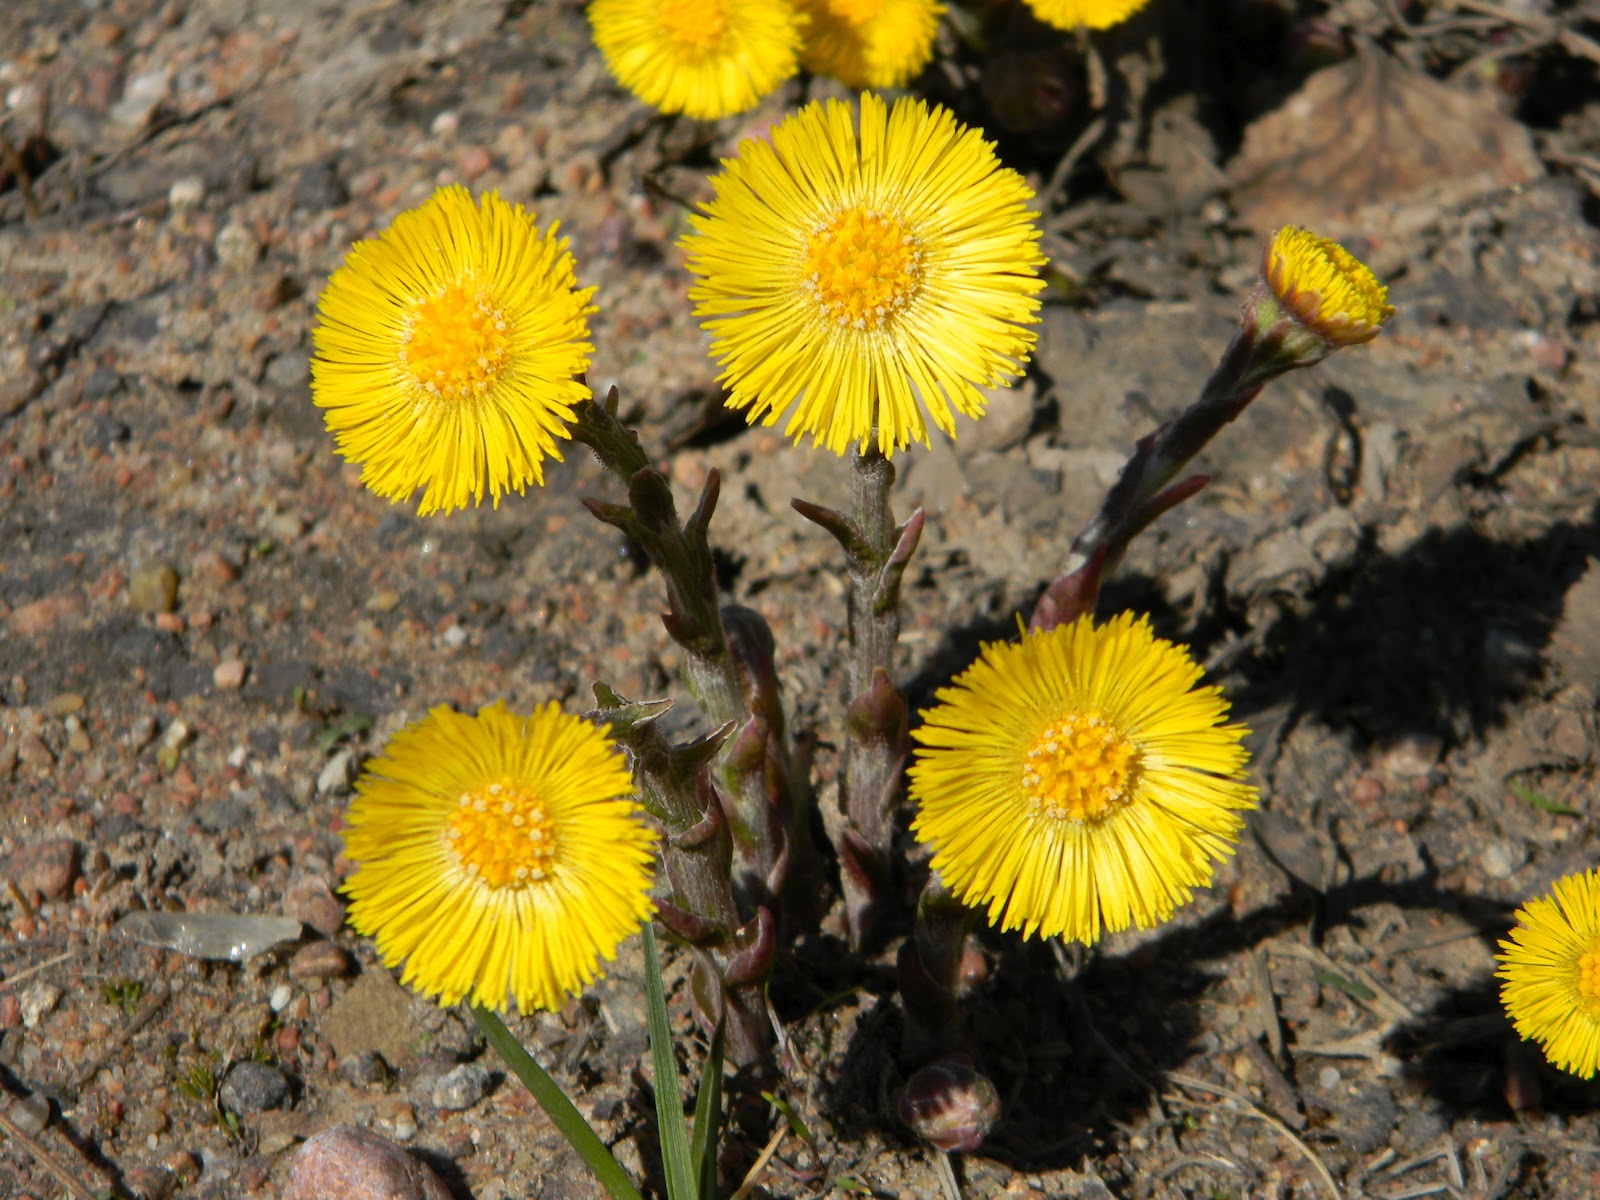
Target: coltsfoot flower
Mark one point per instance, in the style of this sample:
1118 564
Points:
1550 968
1078 780
1325 287
870 43
501 857
1085 14
449 351
873 279
703 58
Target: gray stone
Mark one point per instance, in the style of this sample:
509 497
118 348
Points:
252 1087
366 1069
461 1087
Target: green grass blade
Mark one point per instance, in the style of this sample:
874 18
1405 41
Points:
578 1132
707 1119
670 1125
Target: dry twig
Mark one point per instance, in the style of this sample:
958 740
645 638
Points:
1248 1108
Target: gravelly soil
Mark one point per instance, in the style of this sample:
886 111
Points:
205 622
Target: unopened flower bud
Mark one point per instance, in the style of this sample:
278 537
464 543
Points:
1314 298
948 1104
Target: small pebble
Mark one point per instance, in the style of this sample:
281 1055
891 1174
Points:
38 1001
280 998
309 900
49 868
366 1069
357 1164
41 616
186 193
153 588
337 774
1328 1078
31 1113
237 248
229 674
1500 860
318 961
461 1087
252 1087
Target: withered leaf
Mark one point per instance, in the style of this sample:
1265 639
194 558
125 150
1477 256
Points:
1371 144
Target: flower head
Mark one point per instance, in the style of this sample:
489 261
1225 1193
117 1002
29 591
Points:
860 273
1325 287
448 351
705 58
1078 780
501 857
1086 14
870 43
1550 966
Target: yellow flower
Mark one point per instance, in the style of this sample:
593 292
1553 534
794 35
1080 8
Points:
862 275
1325 287
1551 971
1088 14
448 351
501 857
870 43
705 58
1079 780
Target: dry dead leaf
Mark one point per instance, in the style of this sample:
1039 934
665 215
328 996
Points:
1369 143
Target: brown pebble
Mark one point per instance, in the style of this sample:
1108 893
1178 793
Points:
10 1011
319 960
474 161
310 900
48 868
41 616
64 705
357 1164
153 588
229 674
32 751
286 1040
150 1183
212 567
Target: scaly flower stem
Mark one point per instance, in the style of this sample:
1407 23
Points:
877 552
561 1111
1145 490
732 956
727 651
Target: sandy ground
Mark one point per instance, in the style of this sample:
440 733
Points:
206 624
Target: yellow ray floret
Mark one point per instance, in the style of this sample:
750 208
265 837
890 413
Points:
1326 287
873 279
502 858
703 58
1085 14
1079 781
870 43
449 351
1550 968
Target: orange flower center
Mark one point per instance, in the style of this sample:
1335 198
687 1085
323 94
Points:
1080 768
857 12
502 835
695 25
1589 982
863 267
454 343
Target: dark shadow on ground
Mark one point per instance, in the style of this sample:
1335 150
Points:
1443 639
1074 1059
